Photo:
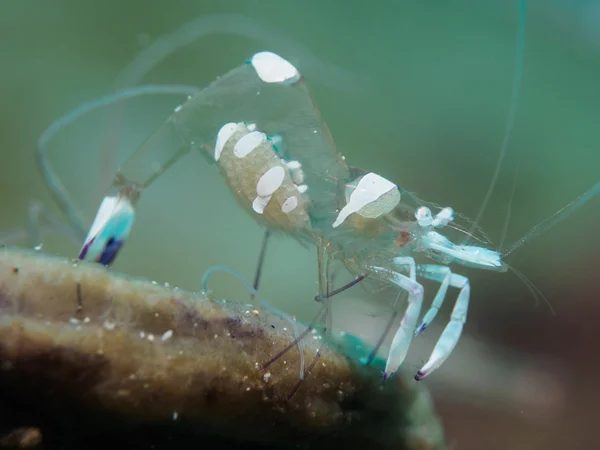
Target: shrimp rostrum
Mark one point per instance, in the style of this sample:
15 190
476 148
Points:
262 128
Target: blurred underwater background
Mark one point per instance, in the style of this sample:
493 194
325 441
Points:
417 91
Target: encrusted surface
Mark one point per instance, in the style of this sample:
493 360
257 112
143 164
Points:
86 354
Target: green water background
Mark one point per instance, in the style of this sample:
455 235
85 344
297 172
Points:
421 96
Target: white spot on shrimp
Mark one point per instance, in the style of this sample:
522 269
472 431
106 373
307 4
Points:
270 181
293 165
296 172
167 335
298 177
248 143
275 140
260 203
290 204
267 376
223 136
272 68
175 415
108 325
302 188
372 197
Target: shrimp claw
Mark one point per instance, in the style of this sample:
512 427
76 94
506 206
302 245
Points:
405 332
453 330
110 228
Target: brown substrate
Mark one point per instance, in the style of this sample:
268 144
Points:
94 358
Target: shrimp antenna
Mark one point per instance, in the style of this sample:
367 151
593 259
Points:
535 291
555 218
57 189
254 292
508 211
518 73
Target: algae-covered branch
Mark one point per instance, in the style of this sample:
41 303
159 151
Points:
90 357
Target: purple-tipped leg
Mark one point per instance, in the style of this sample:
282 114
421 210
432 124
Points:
109 231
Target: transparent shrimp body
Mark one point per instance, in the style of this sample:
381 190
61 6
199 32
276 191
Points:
261 126
268 96
378 232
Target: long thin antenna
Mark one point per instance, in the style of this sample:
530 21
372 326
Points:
508 211
555 218
535 291
519 56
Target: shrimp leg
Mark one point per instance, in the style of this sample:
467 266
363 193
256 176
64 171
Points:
405 332
439 273
453 330
261 261
57 189
407 261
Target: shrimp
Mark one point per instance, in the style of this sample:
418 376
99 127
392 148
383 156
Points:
260 125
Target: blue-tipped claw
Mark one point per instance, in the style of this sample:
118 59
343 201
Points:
108 254
421 328
110 251
108 232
